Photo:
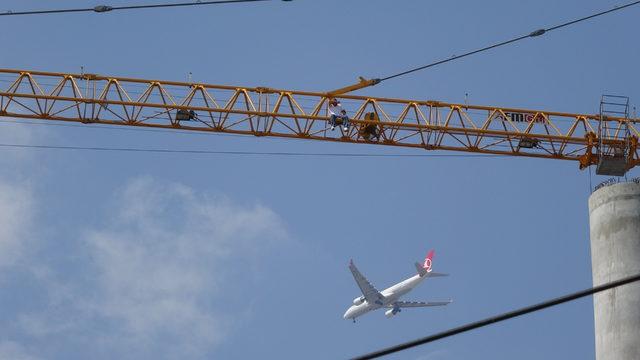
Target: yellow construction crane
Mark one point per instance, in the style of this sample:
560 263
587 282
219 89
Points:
608 139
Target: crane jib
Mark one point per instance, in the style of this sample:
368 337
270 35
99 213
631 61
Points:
263 111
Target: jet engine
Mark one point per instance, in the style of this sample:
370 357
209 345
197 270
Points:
358 300
391 312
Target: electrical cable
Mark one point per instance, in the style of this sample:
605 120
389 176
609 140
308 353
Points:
222 152
519 38
499 318
105 8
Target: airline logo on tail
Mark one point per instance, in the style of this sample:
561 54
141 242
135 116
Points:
428 260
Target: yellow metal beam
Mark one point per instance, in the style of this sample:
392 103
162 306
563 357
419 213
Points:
260 111
361 84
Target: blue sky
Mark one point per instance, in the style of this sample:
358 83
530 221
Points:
141 255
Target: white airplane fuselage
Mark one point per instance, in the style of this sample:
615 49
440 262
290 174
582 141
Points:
391 295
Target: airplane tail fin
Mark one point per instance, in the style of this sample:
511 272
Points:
426 267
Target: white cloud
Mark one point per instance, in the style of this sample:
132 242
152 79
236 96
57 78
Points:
16 213
151 281
10 350
16 196
19 132
156 274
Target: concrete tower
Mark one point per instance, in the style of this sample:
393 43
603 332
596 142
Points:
614 216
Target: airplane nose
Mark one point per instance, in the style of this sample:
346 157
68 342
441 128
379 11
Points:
346 314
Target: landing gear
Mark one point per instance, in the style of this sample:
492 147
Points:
354 320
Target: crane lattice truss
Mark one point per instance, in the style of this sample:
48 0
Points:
259 111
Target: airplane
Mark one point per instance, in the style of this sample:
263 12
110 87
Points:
373 299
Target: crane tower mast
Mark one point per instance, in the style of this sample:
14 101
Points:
260 111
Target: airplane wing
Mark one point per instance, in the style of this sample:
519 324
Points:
371 294
410 304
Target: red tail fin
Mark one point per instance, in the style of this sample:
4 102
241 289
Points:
428 261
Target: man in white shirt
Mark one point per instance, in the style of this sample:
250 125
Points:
337 112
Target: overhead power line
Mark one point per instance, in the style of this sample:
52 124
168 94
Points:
258 153
106 8
535 33
499 318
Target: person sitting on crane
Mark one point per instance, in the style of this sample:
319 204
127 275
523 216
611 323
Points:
337 112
